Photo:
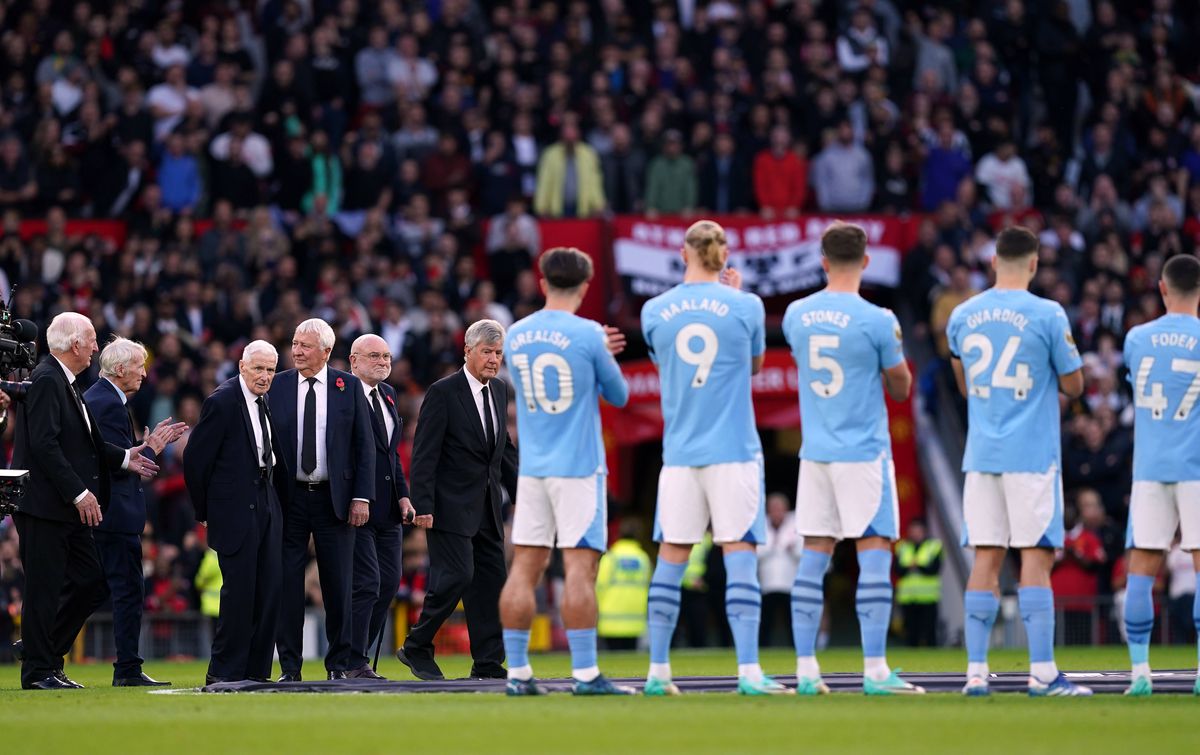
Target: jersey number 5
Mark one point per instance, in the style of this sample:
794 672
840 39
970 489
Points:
818 361
1018 380
1155 400
533 382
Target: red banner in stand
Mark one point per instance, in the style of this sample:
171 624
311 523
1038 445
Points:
776 406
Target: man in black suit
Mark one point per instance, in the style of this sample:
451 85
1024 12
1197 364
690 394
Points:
233 467
119 536
69 463
462 462
325 429
377 543
725 180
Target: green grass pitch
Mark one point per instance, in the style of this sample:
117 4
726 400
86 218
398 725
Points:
102 719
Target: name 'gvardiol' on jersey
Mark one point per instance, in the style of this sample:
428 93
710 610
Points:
1163 358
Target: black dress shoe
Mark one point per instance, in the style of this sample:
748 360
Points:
141 680
59 675
422 668
261 680
209 679
334 675
18 651
287 677
363 672
488 672
50 682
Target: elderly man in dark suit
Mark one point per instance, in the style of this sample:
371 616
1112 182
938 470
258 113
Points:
463 461
233 467
58 441
119 536
377 543
325 428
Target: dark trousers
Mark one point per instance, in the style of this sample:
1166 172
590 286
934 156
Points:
121 557
920 624
64 584
776 627
244 639
471 569
376 579
620 643
311 512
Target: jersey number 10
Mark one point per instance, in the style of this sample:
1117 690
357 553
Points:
533 382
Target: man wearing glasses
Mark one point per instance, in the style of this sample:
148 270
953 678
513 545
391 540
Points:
377 544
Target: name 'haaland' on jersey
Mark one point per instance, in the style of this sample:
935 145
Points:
527 338
998 314
713 306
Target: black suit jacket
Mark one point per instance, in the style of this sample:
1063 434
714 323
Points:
348 436
740 183
390 484
454 475
54 444
126 503
221 461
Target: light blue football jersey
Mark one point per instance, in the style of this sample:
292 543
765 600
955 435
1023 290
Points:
702 337
1163 358
1013 346
841 343
560 366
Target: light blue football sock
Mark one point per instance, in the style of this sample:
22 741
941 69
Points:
873 600
808 598
743 603
1139 616
980 607
1037 613
583 648
663 608
516 647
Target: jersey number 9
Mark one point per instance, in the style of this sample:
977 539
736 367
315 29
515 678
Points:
703 359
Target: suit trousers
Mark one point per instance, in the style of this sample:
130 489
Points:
470 569
64 584
121 557
311 512
376 579
244 641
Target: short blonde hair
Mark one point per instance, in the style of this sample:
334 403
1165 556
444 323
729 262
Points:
708 240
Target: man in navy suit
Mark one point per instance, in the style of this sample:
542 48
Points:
233 467
325 428
377 544
119 536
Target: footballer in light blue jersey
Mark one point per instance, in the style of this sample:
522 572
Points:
842 343
1013 347
702 336
1013 352
1163 358
560 365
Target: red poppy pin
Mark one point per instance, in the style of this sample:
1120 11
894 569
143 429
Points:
341 384
390 400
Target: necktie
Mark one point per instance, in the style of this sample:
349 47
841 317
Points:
308 451
488 423
266 433
377 410
82 406
132 424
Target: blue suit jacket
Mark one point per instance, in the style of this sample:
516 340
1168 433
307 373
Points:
390 483
349 445
126 512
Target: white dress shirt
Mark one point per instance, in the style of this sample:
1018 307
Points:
252 407
87 421
779 556
388 424
477 392
321 471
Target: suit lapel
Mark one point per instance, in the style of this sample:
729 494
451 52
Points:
332 400
468 403
500 410
241 399
287 428
389 406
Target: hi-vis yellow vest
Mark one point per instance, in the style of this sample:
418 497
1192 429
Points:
622 589
918 588
209 580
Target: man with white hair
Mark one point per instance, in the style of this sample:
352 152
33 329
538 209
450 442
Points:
462 464
377 545
59 442
325 429
119 536
234 468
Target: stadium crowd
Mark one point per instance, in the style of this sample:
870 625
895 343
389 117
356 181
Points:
279 159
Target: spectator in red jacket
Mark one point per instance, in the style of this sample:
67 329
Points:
780 177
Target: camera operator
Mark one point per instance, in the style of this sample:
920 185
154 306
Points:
69 463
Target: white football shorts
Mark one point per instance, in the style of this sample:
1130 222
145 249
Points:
1013 509
567 512
848 499
1156 509
729 495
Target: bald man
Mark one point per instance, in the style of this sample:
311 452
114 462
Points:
377 543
